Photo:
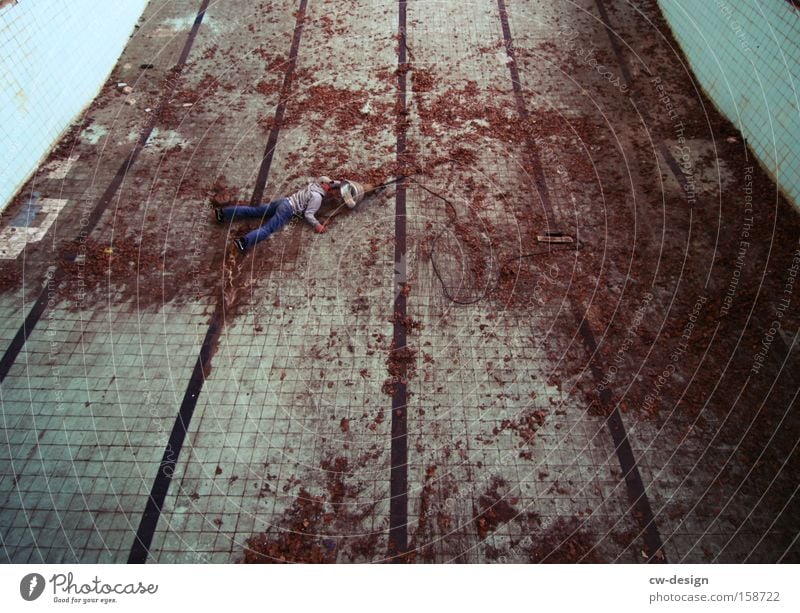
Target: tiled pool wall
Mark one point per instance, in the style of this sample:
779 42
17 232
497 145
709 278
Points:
54 57
746 56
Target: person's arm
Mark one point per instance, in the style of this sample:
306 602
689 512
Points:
311 209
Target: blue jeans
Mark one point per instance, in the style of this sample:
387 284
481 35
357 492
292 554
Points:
277 214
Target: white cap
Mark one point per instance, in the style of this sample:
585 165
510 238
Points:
347 195
324 179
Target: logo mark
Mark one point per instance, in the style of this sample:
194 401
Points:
31 586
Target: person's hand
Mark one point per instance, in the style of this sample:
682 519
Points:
321 229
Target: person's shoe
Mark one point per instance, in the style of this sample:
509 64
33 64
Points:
240 244
218 215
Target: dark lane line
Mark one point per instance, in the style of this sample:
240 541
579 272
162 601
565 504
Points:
522 110
651 534
640 505
56 276
634 485
672 163
398 479
155 502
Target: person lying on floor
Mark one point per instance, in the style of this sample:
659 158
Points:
276 214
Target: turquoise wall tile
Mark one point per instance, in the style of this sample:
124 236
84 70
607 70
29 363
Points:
50 70
746 55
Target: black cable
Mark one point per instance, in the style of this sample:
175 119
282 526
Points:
378 189
577 246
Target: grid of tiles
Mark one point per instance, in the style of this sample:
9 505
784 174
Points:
290 440
707 501
504 467
86 413
489 434
294 407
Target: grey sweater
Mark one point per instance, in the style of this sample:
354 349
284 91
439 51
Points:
307 201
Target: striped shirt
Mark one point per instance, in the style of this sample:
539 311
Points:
307 201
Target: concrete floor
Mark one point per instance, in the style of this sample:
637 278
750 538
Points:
426 382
